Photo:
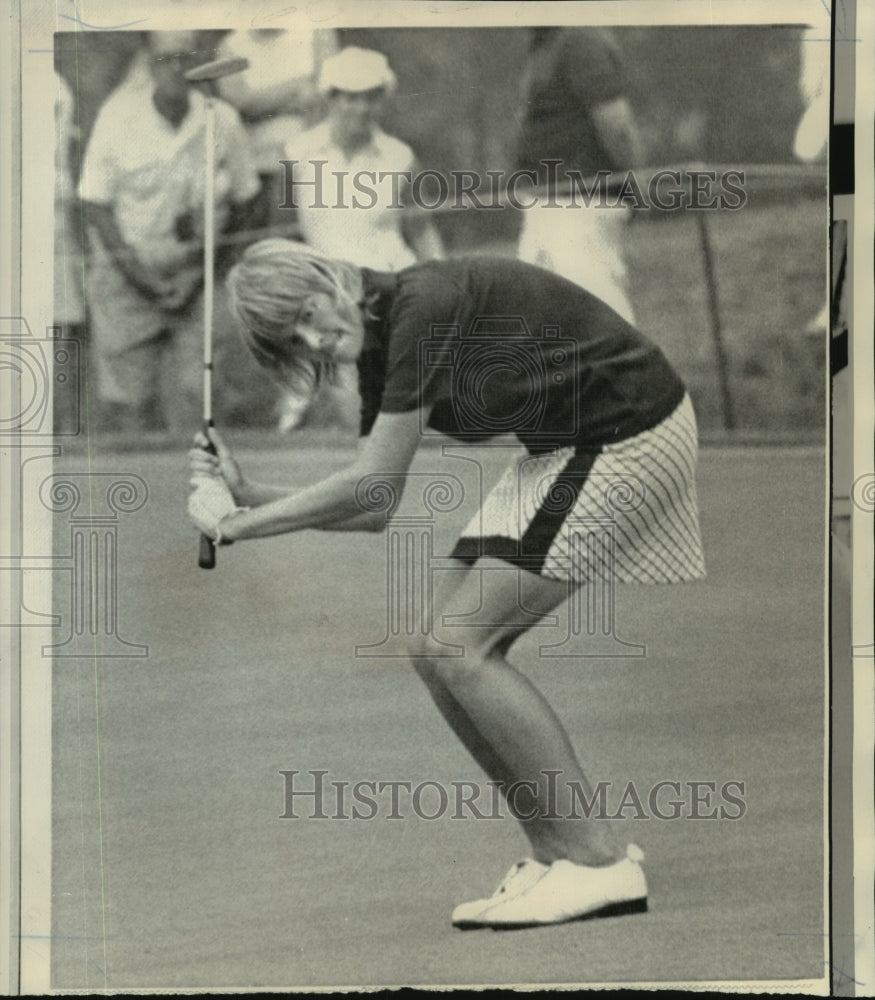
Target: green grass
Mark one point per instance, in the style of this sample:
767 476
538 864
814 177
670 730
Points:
172 869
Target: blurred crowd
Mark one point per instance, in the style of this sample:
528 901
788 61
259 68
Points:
129 241
135 268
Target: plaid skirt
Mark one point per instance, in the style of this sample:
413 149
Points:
626 513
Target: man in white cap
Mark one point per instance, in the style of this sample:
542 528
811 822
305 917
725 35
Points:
358 218
356 82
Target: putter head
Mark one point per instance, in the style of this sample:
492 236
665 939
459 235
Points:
216 69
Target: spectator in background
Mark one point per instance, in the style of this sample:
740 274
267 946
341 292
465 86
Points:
277 96
69 296
812 132
143 188
577 111
384 236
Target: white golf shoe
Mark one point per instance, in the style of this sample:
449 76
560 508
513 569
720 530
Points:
567 891
522 876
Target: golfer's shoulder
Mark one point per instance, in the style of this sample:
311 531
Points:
435 280
435 290
483 276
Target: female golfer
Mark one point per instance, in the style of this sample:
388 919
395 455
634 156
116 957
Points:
473 348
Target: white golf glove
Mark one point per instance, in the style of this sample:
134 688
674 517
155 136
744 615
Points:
208 503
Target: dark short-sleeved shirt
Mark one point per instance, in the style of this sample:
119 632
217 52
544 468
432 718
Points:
497 346
572 71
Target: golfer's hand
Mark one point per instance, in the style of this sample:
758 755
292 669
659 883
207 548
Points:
209 503
222 465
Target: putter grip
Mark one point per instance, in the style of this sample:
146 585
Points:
206 557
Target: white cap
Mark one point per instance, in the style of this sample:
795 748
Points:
354 70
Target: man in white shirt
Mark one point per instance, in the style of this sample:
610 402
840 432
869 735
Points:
143 185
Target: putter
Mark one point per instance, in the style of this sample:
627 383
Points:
207 73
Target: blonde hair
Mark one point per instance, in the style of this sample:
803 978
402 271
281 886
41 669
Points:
266 291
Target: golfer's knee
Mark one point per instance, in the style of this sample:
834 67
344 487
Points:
445 663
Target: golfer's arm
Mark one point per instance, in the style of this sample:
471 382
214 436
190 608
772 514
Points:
258 494
252 494
341 501
331 501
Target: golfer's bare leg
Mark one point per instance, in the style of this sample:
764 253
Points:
501 717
